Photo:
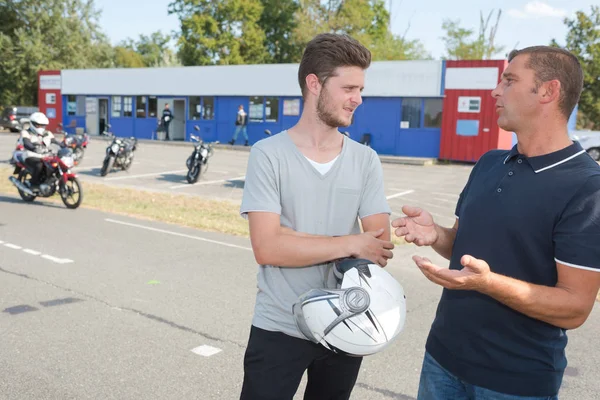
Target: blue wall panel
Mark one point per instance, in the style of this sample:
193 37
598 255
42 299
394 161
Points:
380 118
144 128
208 130
424 142
123 127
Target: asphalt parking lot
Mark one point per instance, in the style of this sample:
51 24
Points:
162 168
98 306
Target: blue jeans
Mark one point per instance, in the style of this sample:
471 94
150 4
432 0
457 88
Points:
239 128
438 384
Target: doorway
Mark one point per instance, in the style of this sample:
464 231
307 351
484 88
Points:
177 106
102 115
179 121
91 115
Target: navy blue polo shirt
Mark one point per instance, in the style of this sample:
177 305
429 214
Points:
521 215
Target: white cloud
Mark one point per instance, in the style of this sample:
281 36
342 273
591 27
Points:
537 9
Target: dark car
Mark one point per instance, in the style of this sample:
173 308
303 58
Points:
12 115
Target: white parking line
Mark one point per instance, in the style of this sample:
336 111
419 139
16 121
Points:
56 259
209 182
115 178
178 234
393 196
37 253
206 350
446 194
32 252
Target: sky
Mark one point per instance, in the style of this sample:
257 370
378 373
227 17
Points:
522 23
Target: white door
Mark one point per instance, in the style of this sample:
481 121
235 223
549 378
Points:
91 115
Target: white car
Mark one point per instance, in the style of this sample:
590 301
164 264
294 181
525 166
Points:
590 141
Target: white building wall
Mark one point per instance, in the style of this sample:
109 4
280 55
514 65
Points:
385 79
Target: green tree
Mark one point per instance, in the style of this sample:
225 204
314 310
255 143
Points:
583 40
128 58
365 20
47 34
278 21
152 51
461 46
220 31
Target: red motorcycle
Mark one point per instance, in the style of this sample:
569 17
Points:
56 176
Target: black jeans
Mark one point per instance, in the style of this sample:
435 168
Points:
35 166
275 362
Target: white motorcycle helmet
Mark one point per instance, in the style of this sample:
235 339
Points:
38 123
362 316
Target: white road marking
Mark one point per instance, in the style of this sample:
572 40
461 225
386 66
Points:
178 234
115 178
393 196
206 350
56 259
37 253
209 182
32 252
446 194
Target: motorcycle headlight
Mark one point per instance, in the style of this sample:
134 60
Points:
115 148
203 152
68 161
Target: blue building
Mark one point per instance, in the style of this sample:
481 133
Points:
401 110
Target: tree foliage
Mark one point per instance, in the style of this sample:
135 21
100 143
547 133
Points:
46 34
583 40
460 45
147 51
220 32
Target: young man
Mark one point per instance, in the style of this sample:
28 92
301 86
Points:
525 258
241 121
305 190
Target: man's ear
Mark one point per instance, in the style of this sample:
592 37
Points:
312 84
550 91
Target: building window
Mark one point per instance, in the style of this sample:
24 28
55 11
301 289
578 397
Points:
140 107
81 105
71 104
256 112
195 107
272 109
208 107
127 106
116 107
432 111
411 113
152 106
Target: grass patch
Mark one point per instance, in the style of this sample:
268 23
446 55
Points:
195 212
191 211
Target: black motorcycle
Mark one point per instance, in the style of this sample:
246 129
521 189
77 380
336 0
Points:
198 161
119 153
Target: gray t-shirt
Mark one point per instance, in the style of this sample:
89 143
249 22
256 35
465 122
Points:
279 179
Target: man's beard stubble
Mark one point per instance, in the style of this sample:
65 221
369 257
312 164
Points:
325 114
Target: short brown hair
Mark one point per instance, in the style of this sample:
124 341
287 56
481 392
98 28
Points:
550 63
328 51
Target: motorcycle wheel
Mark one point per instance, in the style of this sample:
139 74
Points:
106 165
24 176
193 174
126 166
71 193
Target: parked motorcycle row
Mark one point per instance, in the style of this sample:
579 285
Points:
57 175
